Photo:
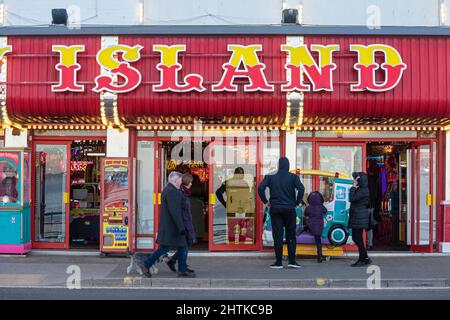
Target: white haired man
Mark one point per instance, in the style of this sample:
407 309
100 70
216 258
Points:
171 229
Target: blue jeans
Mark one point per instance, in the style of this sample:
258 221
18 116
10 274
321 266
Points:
182 257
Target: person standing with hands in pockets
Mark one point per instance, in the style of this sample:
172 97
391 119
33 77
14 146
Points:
359 215
282 202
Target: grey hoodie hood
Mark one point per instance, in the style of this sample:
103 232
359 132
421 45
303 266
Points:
283 164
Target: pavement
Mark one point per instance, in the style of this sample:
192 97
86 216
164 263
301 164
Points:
227 273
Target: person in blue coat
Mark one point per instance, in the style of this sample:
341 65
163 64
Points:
286 193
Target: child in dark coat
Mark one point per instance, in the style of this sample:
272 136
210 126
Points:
315 212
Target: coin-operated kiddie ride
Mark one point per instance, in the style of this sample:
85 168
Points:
15 184
335 188
117 205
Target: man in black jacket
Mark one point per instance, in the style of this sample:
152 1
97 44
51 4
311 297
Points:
171 229
283 201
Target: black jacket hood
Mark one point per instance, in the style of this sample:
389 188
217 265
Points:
283 164
363 179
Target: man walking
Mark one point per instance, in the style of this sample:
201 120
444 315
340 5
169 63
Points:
171 229
282 202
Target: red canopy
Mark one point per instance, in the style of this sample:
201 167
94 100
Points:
422 92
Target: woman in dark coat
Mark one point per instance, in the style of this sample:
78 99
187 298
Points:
315 212
359 215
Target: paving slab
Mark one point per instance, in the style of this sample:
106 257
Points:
227 272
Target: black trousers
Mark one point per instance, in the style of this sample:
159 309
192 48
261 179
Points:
318 245
284 219
357 235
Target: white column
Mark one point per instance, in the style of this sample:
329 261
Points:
291 148
117 142
445 246
18 139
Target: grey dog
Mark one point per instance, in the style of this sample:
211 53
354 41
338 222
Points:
138 258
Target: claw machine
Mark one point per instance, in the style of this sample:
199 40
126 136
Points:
15 221
117 205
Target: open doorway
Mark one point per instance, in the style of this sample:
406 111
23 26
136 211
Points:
388 184
175 159
84 229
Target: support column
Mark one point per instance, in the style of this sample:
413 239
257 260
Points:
445 245
117 142
15 138
291 148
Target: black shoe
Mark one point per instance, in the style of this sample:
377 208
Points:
146 272
368 261
186 274
171 264
294 265
320 259
276 265
359 263
190 270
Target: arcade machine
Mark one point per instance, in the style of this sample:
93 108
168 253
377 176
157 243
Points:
117 208
15 185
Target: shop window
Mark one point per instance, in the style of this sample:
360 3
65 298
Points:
305 161
145 166
342 159
8 183
326 185
50 186
234 219
271 155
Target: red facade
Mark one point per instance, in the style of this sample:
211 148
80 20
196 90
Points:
205 56
422 91
31 72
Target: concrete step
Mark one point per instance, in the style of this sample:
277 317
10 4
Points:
319 283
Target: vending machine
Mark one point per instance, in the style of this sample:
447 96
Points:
15 182
117 205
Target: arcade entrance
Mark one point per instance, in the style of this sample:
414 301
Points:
402 183
179 157
227 215
66 195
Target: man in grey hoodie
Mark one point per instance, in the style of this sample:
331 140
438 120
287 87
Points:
282 202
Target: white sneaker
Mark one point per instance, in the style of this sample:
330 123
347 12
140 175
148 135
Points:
276 266
294 266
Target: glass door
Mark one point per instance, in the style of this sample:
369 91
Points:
146 195
52 195
423 186
344 158
234 222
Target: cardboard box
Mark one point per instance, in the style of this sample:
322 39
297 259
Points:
240 199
